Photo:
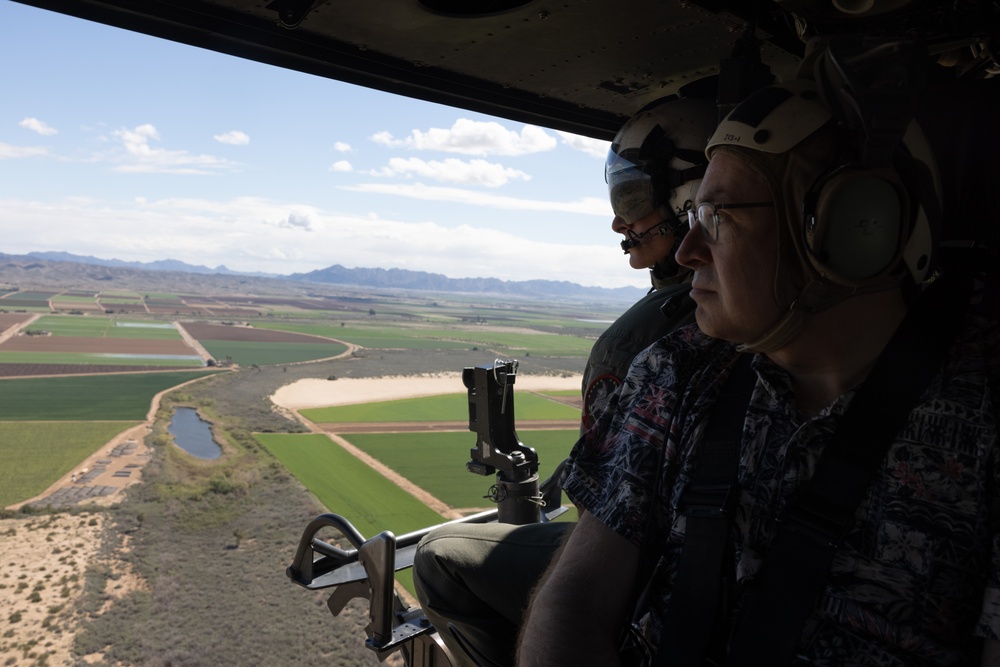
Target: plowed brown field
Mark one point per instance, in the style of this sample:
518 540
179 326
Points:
7 320
93 345
42 370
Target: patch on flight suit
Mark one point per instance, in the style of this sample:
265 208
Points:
595 399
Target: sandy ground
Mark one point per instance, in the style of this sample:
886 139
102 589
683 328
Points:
42 563
313 393
58 547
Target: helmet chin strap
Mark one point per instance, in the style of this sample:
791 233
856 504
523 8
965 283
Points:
816 296
780 334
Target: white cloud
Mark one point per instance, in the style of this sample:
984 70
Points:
256 234
297 220
342 147
592 147
452 170
140 157
470 137
596 206
8 152
341 165
233 138
136 141
38 126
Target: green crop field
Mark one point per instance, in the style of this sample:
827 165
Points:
375 337
74 325
120 300
69 299
436 461
248 353
88 359
513 343
28 295
86 397
552 345
25 306
33 455
347 486
449 407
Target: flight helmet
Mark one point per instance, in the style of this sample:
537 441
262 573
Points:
656 162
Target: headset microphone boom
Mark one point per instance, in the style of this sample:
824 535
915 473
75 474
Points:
665 228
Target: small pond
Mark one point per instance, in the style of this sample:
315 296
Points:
193 434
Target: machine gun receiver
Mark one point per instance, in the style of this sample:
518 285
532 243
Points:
498 449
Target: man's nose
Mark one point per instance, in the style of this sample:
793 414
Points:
618 225
693 250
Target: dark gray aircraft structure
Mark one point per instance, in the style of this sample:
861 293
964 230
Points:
586 66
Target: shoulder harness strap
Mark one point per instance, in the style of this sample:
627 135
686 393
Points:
699 596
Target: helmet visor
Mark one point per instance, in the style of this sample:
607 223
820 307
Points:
630 188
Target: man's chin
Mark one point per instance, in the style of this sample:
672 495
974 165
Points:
639 262
713 328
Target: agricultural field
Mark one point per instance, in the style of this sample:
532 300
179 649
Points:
449 407
34 455
85 350
516 343
49 425
8 320
436 461
109 299
96 340
27 300
248 346
86 397
76 303
347 486
100 326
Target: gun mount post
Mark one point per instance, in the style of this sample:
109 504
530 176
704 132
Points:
491 416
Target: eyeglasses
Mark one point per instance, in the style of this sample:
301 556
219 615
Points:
706 215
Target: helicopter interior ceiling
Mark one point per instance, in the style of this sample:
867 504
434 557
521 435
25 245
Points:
579 65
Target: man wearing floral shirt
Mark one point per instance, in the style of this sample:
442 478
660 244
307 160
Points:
916 580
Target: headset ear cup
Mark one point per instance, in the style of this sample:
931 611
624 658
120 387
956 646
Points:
856 233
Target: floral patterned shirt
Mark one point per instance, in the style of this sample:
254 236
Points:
916 581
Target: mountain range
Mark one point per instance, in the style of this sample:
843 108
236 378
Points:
375 278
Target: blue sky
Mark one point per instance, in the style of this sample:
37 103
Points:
119 145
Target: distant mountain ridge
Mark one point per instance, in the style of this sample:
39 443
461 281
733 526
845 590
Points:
436 282
158 265
376 278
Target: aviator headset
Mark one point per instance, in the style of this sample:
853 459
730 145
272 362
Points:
854 225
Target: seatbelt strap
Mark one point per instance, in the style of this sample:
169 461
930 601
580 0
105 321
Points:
797 566
698 598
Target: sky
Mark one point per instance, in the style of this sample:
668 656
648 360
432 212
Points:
123 146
